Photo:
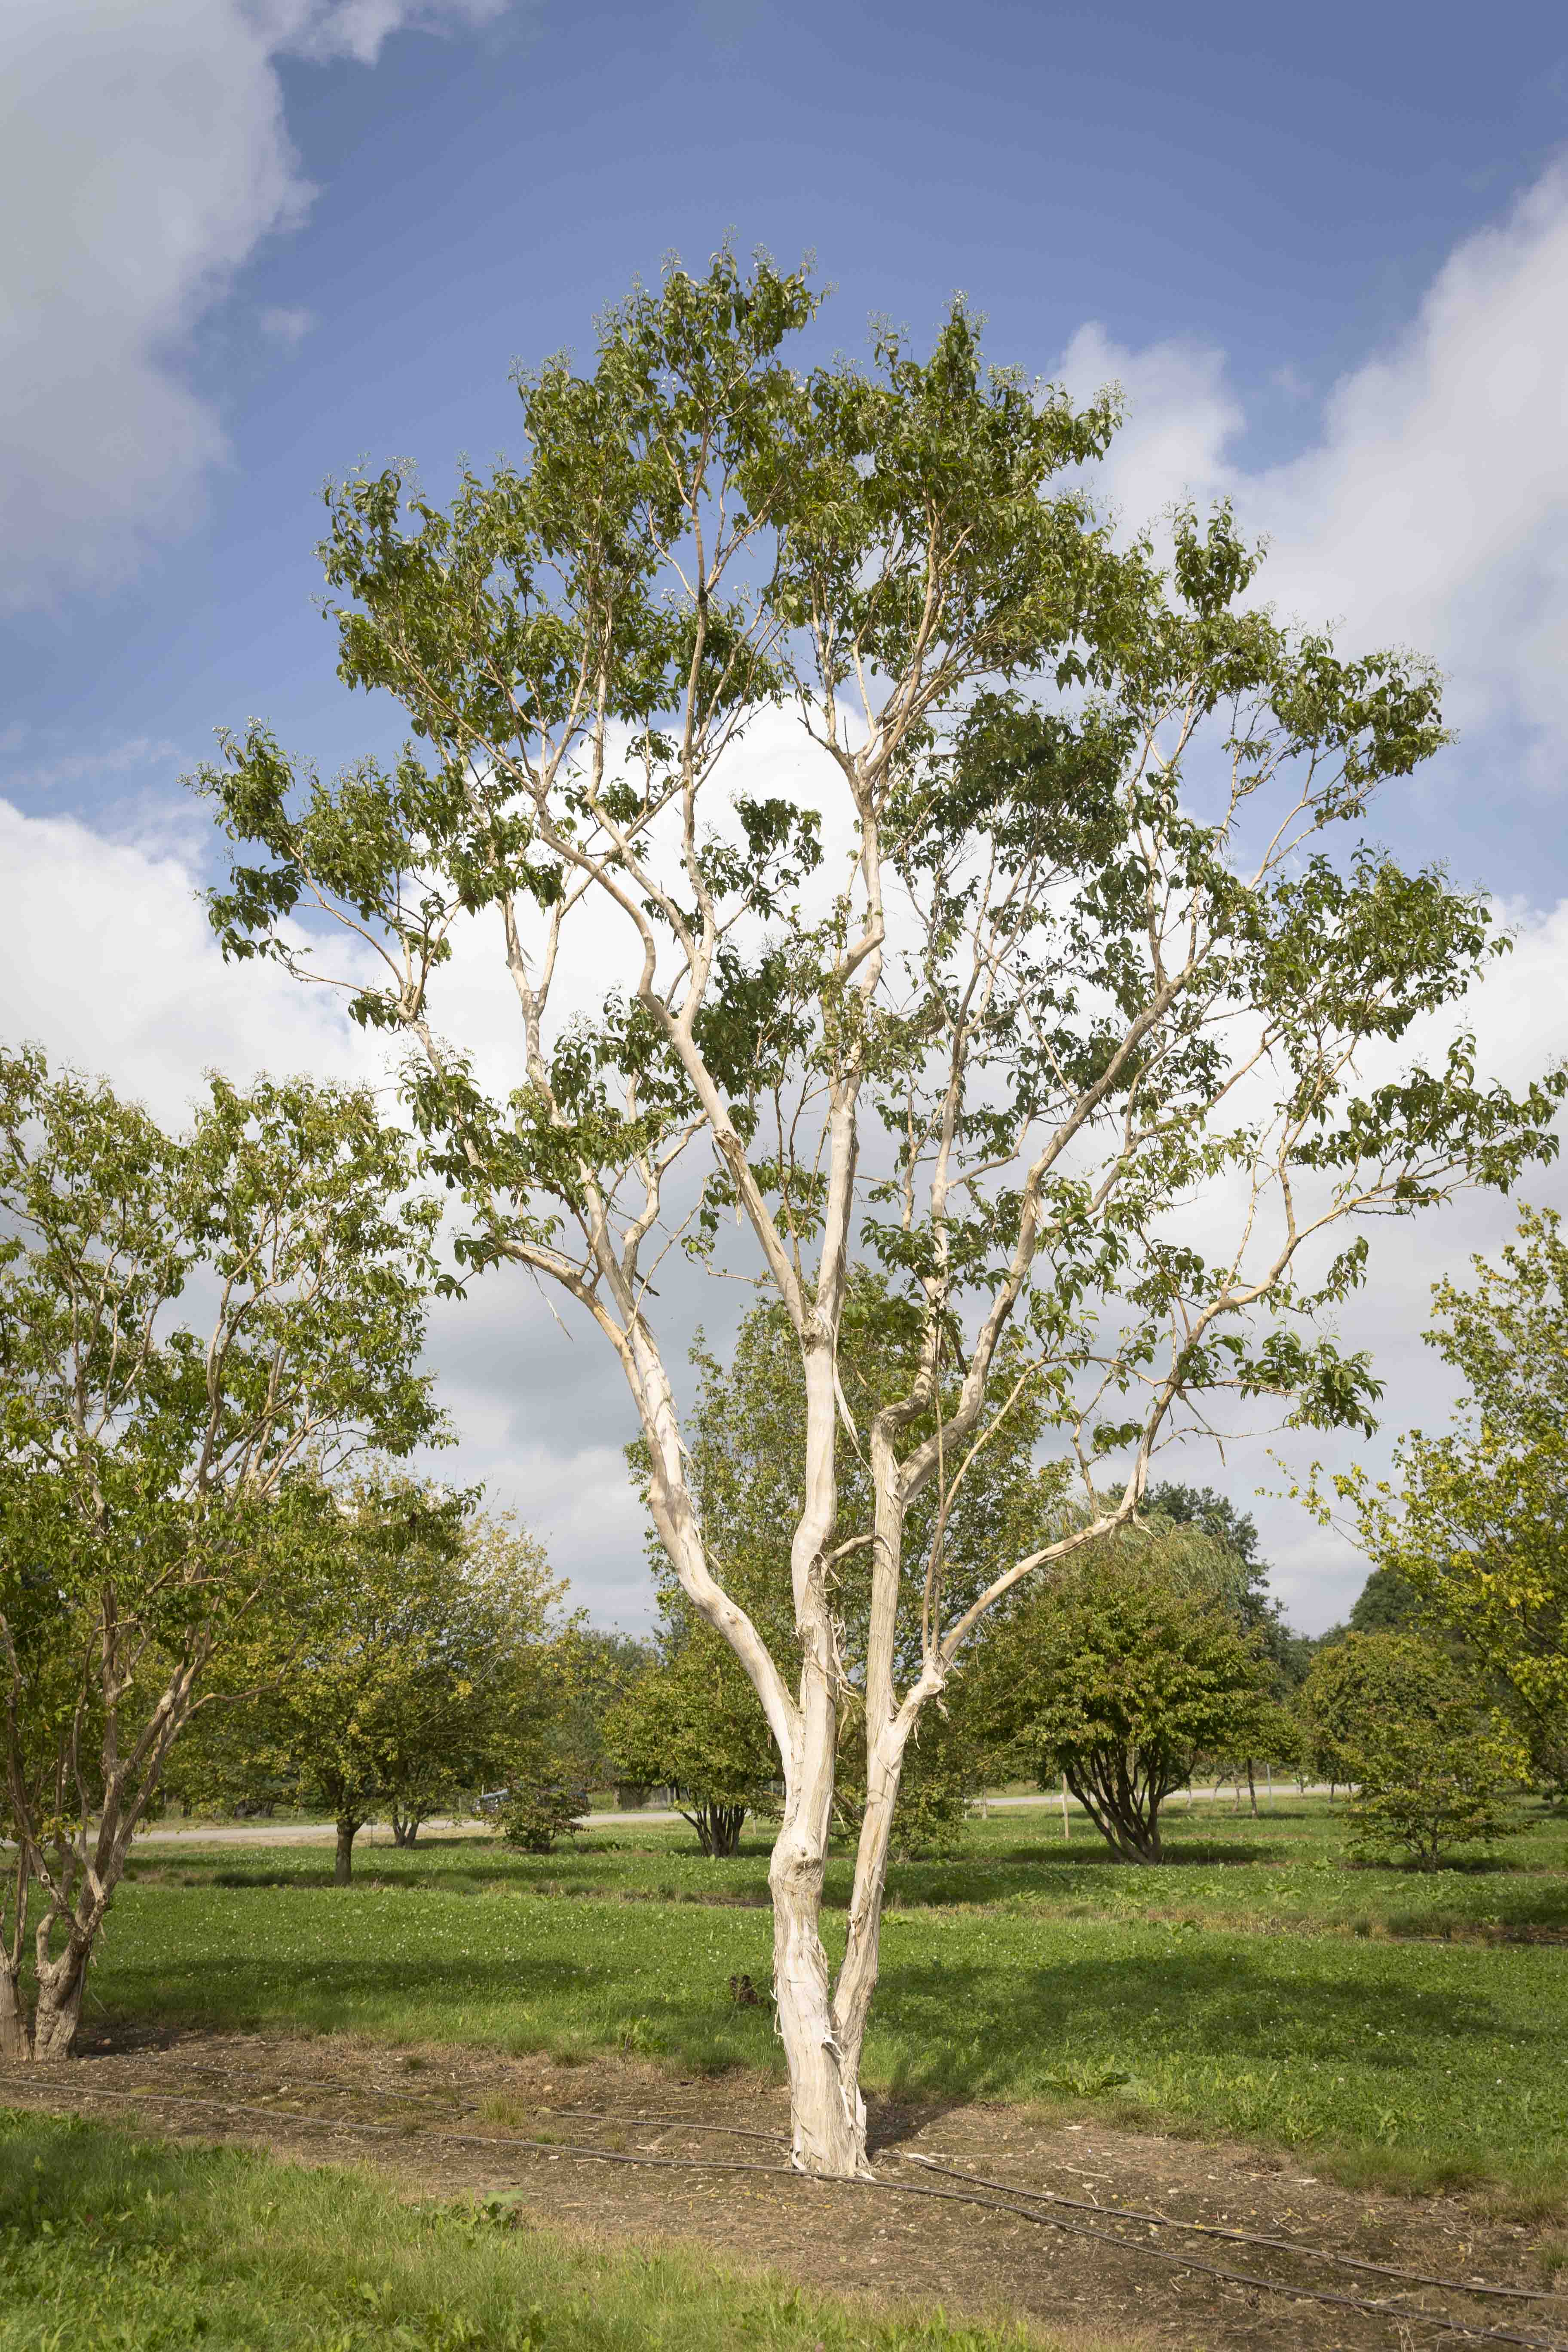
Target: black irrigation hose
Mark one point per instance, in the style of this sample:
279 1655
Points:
1010 2189
583 2114
1242 2237
1382 2309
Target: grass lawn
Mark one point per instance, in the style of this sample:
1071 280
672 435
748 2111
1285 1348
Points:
1286 1870
1222 1991
108 2241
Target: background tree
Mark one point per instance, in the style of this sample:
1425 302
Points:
1042 932
1471 1534
1387 1603
690 1723
1430 1761
595 1669
1288 1652
425 1673
197 1333
1123 1670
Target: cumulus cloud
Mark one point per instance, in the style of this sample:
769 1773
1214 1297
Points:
110 965
287 327
143 158
1514 1014
1431 506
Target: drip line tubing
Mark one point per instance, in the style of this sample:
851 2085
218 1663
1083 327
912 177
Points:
1384 2308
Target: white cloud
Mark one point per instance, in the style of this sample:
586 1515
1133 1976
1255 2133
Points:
1515 1015
1432 507
110 965
289 327
118 760
143 158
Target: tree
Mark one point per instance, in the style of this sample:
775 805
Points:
1041 931
1431 1762
1387 1603
1472 1530
693 1724
197 1334
1120 1674
539 1807
1288 1652
425 1671
595 1669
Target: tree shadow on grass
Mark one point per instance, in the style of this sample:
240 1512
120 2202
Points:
964 2031
1050 1870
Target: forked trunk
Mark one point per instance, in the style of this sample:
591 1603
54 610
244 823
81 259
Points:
344 1862
58 2012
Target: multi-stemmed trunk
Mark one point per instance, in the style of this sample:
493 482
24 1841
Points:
1124 1809
822 2023
717 1826
50 2034
74 1895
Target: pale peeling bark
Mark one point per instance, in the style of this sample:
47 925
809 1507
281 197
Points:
828 2115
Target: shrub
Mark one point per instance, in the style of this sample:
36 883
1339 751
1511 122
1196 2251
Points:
1431 1762
537 1813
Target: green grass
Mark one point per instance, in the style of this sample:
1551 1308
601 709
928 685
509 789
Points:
1284 1870
1416 2061
124 2246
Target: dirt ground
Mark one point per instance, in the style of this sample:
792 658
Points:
452 2123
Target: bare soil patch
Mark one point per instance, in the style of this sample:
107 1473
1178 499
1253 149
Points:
451 2123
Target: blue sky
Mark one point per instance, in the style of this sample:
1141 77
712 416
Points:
1325 252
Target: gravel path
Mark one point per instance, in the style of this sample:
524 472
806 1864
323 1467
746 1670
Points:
380 1832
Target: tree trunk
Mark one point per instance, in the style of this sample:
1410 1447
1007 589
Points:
828 2115
1131 1829
717 1829
59 2009
343 1865
1252 1788
15 2045
405 1827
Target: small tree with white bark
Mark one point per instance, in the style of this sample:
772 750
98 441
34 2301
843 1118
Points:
1038 939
